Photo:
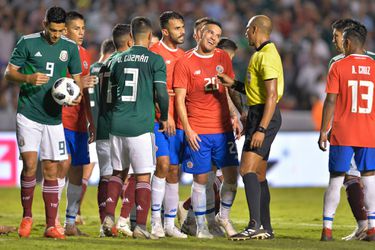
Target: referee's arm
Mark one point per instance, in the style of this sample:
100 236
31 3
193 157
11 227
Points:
271 100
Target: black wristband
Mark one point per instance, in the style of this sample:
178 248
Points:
239 86
261 129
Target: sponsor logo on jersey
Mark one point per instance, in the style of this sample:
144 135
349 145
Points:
189 164
38 54
197 72
168 62
63 56
85 65
219 69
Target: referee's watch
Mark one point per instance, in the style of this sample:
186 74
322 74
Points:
261 129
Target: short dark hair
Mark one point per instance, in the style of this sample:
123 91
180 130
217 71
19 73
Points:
140 25
107 47
73 15
356 33
200 21
120 30
168 15
55 15
226 43
341 24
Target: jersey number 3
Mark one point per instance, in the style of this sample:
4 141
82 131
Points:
368 96
131 83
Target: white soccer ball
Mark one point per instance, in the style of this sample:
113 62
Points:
65 91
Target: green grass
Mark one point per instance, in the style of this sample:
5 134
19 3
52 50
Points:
296 217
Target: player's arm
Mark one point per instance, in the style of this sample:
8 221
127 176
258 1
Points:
328 110
269 108
12 74
229 82
191 136
233 114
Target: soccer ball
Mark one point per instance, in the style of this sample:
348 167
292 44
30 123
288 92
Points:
65 91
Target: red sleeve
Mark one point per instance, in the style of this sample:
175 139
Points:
333 80
181 77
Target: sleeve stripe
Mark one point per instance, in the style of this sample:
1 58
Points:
15 65
161 82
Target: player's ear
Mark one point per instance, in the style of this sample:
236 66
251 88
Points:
165 32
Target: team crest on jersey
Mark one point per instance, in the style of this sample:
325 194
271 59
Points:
85 65
63 56
189 164
219 69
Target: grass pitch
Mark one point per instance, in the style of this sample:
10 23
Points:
296 218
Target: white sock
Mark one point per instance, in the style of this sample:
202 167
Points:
61 182
198 201
369 193
227 195
331 200
210 194
157 196
73 195
170 204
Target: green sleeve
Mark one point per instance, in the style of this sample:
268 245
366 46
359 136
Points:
159 70
74 65
20 53
163 99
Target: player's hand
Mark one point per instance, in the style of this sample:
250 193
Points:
37 78
89 81
76 101
171 92
243 120
257 140
323 138
236 127
163 126
225 80
193 139
91 133
171 126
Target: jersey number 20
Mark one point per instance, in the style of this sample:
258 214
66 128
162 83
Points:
368 96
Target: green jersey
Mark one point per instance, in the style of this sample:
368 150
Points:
341 56
34 54
94 92
135 73
106 97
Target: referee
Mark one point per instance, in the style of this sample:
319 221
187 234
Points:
263 88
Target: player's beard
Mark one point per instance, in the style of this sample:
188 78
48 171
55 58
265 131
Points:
178 40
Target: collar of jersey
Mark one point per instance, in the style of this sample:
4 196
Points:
166 46
202 56
262 45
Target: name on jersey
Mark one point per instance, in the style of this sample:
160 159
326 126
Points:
362 70
133 58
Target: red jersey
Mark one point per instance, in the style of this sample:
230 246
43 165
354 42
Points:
170 57
206 100
74 117
352 79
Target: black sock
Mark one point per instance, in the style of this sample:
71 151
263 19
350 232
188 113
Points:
252 190
265 199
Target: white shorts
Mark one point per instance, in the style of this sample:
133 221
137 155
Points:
48 140
92 152
103 149
138 151
353 171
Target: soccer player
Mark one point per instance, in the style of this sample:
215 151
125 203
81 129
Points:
202 107
38 60
137 74
349 105
106 94
352 180
264 88
75 120
164 184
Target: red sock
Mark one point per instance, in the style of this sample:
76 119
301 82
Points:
102 197
129 197
187 203
113 193
51 200
142 201
27 194
84 188
356 198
